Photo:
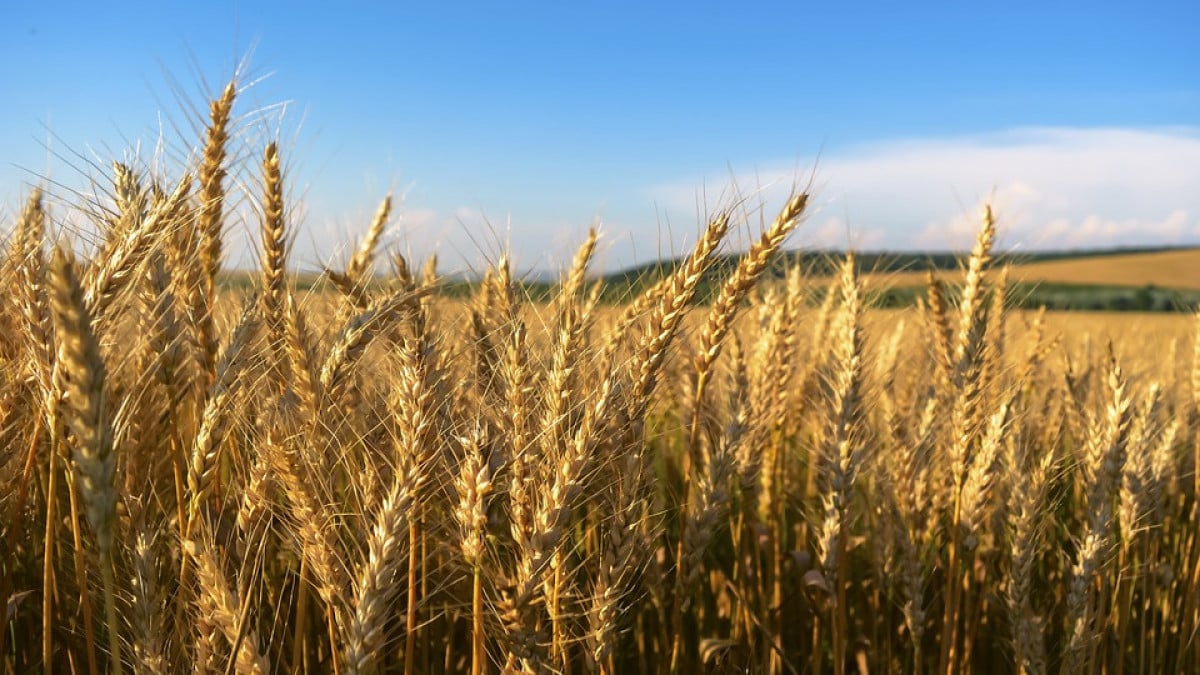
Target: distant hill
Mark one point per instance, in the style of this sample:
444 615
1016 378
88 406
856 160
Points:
1178 268
1137 266
1144 279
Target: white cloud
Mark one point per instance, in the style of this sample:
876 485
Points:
1050 187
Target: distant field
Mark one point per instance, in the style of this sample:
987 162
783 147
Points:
1165 269
1166 334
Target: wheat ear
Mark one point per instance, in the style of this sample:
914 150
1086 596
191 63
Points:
965 391
274 257
841 455
203 462
118 264
223 607
1105 463
749 268
1023 518
473 486
364 255
377 580
668 314
211 221
95 463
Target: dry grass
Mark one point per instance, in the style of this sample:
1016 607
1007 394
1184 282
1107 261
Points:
380 480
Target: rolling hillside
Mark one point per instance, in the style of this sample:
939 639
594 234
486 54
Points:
1178 268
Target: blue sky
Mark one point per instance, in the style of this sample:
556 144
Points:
522 123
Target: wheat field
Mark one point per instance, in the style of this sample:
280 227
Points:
377 479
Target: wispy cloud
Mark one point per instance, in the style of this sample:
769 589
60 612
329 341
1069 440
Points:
1051 187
